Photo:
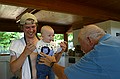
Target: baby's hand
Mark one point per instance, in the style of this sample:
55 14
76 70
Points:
63 45
59 49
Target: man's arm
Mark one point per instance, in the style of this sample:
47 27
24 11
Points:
59 71
16 63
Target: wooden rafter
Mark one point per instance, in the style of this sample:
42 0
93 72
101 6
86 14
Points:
62 6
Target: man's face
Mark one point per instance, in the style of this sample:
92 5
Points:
48 36
85 45
30 30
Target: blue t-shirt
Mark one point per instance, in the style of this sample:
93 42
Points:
103 62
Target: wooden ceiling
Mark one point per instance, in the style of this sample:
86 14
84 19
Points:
63 15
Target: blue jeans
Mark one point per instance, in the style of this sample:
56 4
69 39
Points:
43 71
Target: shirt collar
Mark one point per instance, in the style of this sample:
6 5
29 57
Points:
106 36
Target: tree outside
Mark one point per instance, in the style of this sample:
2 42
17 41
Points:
7 37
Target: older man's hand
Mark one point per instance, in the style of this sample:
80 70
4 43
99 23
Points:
47 60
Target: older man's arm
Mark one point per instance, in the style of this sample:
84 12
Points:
59 71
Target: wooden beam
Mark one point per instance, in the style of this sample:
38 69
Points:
66 39
59 28
10 25
27 10
62 6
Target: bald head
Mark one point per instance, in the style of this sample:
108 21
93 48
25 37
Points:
46 28
89 36
91 31
47 34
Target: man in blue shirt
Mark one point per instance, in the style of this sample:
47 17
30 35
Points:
101 59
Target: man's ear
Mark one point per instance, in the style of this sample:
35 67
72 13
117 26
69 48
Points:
21 27
90 41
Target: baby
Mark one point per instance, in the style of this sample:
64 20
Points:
47 46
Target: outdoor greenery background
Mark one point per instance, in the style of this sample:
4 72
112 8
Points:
7 37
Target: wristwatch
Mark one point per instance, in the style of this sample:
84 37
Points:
51 64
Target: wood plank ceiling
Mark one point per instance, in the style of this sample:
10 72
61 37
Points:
63 15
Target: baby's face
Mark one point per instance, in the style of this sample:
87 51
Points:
48 36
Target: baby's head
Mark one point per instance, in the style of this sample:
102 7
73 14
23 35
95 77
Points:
47 33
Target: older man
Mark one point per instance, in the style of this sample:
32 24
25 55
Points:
101 59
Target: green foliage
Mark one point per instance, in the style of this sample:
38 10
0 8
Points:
70 37
59 37
6 37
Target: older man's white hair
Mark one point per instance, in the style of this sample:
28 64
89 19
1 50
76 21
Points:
91 31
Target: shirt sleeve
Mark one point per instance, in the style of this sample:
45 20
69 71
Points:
12 53
12 48
85 68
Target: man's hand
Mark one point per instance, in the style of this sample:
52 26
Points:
47 59
29 48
